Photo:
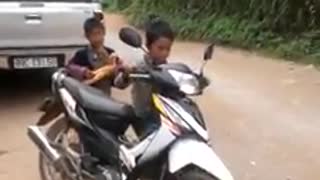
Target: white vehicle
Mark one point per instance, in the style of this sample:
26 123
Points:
36 34
177 150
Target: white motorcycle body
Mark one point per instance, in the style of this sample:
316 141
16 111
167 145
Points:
184 152
181 136
192 152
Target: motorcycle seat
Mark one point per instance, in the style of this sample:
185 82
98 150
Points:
95 100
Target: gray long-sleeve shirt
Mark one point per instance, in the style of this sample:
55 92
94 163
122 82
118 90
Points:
141 92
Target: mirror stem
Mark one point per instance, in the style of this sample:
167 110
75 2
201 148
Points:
202 67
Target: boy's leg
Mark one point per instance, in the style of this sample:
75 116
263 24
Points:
146 123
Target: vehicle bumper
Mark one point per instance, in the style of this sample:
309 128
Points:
64 54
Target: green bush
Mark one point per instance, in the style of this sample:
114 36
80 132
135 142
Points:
116 4
290 29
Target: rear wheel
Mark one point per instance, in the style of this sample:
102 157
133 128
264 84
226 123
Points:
193 173
54 134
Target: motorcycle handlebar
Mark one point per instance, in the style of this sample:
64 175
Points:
139 76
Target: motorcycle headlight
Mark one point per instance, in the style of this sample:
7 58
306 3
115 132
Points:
188 83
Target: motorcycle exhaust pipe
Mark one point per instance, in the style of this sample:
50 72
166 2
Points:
40 140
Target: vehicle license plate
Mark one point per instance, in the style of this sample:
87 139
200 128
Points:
34 62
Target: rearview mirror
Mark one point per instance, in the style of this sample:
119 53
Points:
130 37
208 52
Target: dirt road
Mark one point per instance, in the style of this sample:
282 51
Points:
264 114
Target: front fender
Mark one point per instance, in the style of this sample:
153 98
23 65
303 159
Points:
193 152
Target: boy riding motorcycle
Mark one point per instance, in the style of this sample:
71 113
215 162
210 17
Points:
159 40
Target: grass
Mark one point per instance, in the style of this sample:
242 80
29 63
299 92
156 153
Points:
242 29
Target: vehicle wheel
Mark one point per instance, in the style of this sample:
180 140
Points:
193 173
47 172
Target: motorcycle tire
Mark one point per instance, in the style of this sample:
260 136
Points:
53 131
193 173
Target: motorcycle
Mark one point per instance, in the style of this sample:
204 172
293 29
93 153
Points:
178 150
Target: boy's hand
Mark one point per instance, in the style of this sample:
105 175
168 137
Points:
120 65
115 59
88 74
125 68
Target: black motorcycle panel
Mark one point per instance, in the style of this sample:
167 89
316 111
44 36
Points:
100 144
115 124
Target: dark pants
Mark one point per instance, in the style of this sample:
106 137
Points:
146 123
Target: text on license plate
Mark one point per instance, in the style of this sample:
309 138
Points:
35 62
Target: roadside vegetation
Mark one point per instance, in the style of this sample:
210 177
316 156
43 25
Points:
287 29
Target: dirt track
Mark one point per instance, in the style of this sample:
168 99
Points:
263 114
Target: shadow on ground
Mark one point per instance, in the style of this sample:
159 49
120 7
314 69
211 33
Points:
16 83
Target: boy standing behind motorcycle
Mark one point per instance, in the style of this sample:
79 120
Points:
159 40
96 64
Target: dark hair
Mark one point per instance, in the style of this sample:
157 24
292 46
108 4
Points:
91 24
157 28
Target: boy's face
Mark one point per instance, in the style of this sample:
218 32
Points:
96 37
160 49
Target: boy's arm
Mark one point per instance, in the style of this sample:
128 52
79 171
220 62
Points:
75 69
122 79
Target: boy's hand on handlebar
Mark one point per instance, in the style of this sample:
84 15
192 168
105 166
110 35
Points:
115 59
118 63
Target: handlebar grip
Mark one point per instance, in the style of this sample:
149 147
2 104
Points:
139 76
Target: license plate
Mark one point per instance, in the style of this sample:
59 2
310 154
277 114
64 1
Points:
35 62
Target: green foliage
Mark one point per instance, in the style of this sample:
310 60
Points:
116 4
285 27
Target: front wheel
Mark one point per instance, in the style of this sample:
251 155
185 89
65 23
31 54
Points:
193 173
